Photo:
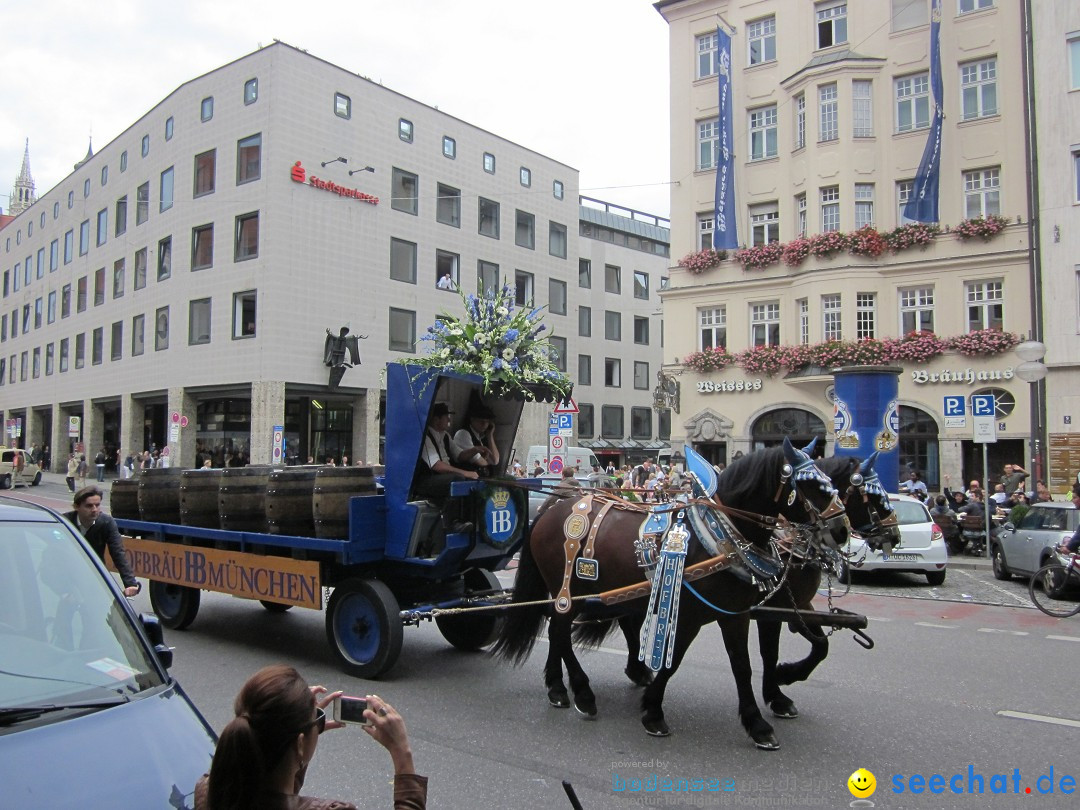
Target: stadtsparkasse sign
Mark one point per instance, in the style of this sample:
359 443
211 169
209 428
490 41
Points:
299 175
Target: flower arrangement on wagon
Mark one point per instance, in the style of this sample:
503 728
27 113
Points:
499 342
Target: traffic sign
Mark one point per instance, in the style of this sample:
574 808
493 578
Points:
982 405
570 406
555 465
955 412
566 421
985 429
557 443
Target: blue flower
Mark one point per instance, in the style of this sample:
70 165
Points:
497 364
512 335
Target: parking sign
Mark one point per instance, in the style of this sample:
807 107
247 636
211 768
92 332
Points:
955 412
982 405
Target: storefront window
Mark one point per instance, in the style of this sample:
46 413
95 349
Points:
919 447
800 426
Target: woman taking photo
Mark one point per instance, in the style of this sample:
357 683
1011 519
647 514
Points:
263 753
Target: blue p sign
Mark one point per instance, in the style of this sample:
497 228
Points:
982 405
954 406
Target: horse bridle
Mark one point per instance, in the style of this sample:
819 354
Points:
865 487
821 519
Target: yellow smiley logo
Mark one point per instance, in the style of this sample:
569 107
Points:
862 784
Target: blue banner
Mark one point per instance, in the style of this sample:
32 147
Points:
725 235
922 206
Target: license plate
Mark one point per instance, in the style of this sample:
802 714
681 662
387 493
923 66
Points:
900 557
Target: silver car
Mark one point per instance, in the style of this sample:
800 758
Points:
1024 549
536 499
921 550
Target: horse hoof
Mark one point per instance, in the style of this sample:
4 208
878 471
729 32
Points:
656 728
559 697
639 676
586 709
784 709
767 742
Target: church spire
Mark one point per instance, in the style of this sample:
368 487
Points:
23 194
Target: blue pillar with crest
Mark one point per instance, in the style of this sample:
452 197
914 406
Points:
866 417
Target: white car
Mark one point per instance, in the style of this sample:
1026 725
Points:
921 550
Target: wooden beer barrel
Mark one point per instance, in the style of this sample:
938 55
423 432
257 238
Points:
242 498
334 486
289 501
159 494
199 498
124 499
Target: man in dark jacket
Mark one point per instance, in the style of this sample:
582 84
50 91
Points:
100 530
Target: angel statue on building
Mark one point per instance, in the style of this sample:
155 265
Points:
341 352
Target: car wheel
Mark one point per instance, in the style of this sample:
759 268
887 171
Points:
843 572
37 479
935 577
1001 570
5 481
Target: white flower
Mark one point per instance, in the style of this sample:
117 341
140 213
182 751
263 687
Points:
508 354
502 311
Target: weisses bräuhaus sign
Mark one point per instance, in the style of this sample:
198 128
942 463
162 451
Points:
727 386
968 376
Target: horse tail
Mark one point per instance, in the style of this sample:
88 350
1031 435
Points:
522 624
591 634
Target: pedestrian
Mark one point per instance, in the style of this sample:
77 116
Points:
100 531
46 459
1072 545
445 282
1012 477
263 754
537 470
99 464
913 485
72 471
82 470
344 461
128 470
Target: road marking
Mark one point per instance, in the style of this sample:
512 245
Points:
1016 598
1041 718
1001 630
878 619
1064 638
938 626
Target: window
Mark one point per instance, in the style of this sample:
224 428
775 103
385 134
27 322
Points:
168 128
402 260
142 204
584 267
71 199
140 268
978 89
402 330
525 176
862 109
80 295
116 342
828 119
248 159
54 255
489 163
761 40
161 329
557 239
764 223
641 423
69 246
98 347
708 144
800 214
164 258
404 191
202 247
907 14
121 216
487 276
804 320
448 263
557 189
982 193
65 301
26 318
641 375
558 344
765 324
99 286
102 226
831 24
584 369
342 106
556 296
904 190
84 238
641 330
1074 63
37 313
247 237
586 429
641 285
198 321
40 263
138 337
488 218
64 343
864 204
205 171
917 310
523 288
49 361
1076 194
830 318
449 147
50 311
985 305
913 102
763 133
118 278
251 91
104 177
243 324
612 325
145 145
206 109
584 321
865 315
405 130
611 421
448 206
525 230
800 120
706 55
712 328
830 209
612 279
968 6
612 372
166 189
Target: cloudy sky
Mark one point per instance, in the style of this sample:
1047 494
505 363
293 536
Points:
582 81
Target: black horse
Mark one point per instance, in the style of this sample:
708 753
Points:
760 486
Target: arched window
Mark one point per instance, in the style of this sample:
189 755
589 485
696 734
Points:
919 446
800 426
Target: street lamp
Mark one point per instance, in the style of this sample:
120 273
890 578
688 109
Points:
1033 371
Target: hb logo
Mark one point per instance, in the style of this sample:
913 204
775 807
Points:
501 522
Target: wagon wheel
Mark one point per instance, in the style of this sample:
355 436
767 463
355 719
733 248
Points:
363 627
274 607
175 605
473 631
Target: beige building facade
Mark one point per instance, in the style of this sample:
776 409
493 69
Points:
831 112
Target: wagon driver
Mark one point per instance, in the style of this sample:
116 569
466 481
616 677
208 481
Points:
474 444
436 471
